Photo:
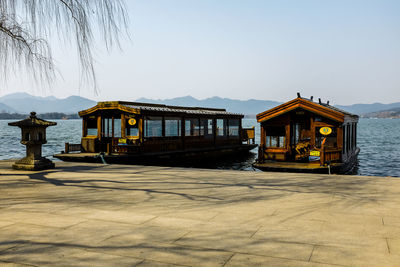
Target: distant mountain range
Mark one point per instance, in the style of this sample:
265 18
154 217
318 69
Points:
393 113
251 106
368 108
25 103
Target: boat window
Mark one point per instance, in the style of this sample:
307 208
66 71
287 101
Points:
106 127
275 136
233 127
331 139
92 126
172 126
210 131
153 127
192 127
220 127
206 128
117 127
131 127
203 127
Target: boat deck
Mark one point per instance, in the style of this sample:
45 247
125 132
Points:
311 167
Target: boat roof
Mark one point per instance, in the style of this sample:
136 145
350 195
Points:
322 109
138 108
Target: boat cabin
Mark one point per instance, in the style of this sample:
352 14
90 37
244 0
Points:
303 130
120 127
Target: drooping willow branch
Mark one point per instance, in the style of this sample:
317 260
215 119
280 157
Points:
27 26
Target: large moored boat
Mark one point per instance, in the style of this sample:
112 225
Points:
304 135
132 132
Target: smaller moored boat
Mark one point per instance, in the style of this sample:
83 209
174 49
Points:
142 133
306 136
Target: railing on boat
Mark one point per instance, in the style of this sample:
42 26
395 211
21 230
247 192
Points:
248 135
72 147
326 155
330 155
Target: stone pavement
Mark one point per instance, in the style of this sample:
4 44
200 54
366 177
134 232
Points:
118 215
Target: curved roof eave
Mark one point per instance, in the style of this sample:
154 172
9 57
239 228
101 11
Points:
301 103
103 107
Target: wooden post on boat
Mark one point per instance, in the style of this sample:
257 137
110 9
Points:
109 148
66 147
322 154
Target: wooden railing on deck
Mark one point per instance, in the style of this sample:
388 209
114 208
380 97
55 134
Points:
248 134
330 155
72 147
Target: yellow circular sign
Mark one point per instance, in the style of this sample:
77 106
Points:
132 121
325 130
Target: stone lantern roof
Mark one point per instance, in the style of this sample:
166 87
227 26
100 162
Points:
32 121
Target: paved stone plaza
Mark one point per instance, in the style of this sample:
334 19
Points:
118 215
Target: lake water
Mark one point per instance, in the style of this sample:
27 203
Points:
378 139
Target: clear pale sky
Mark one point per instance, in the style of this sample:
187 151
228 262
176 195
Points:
343 51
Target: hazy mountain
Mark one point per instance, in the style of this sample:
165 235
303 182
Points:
388 113
25 103
6 109
251 106
368 108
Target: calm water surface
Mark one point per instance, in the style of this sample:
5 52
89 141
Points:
378 139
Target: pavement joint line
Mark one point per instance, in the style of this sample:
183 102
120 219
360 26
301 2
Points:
10 248
72 225
24 264
274 213
164 262
105 239
333 264
55 228
11 223
256 231
239 252
149 220
387 245
138 264
92 249
233 254
124 222
282 258
213 217
181 236
312 251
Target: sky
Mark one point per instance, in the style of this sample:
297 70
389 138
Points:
343 51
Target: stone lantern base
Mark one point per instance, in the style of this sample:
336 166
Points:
31 164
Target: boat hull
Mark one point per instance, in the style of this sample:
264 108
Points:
193 157
348 167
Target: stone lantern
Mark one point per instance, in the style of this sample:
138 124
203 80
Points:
33 136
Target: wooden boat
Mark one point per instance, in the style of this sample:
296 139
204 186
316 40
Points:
306 136
142 133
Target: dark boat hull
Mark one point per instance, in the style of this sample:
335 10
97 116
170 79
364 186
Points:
347 167
193 157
